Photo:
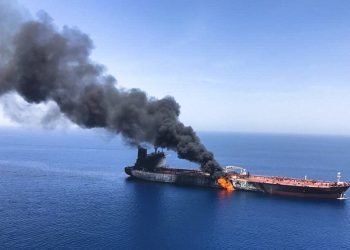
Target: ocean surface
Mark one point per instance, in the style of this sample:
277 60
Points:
68 190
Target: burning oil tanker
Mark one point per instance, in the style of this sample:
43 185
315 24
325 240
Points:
42 64
151 167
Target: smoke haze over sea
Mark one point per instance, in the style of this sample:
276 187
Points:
46 64
261 66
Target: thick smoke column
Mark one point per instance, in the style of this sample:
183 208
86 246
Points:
48 64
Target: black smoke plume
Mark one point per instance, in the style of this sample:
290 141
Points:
51 64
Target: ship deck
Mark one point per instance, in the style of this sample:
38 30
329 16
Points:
291 181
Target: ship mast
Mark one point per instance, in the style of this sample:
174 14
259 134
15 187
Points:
338 177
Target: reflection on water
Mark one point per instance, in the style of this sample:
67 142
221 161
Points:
224 194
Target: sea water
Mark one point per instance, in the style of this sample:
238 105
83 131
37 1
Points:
69 190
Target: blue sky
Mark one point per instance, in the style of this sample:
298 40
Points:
243 66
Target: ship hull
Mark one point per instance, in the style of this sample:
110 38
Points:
296 191
199 178
175 176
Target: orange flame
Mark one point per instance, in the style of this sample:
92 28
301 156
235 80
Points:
225 184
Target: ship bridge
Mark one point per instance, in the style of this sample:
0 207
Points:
235 169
